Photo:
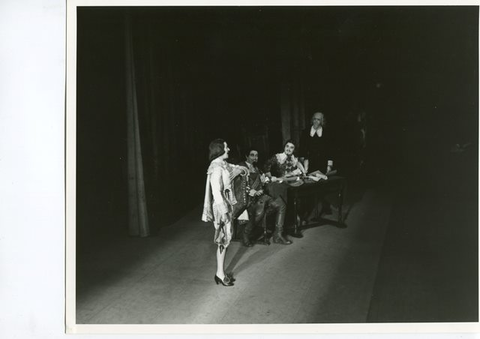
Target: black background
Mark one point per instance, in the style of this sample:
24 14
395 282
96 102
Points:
414 70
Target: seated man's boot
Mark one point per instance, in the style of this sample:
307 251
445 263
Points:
246 235
280 208
278 238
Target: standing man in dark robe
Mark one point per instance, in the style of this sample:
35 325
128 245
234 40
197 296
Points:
315 146
316 151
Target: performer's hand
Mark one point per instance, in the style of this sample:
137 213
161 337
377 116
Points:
306 165
224 219
252 192
259 193
239 170
263 178
329 169
297 172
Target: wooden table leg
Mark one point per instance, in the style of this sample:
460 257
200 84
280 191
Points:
341 194
296 232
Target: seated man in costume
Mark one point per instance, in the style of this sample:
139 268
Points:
282 168
285 164
262 204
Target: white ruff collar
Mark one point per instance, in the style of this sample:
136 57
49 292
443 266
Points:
281 157
318 131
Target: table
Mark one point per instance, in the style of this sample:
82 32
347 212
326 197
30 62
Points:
334 184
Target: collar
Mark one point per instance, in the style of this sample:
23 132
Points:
219 161
318 131
281 157
250 166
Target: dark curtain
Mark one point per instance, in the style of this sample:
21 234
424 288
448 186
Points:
293 74
198 80
172 131
292 106
254 76
137 205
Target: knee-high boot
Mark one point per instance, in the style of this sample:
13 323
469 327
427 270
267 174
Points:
278 237
247 232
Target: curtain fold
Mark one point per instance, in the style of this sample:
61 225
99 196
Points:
137 205
292 105
293 75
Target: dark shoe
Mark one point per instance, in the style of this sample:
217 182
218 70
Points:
225 282
296 234
278 239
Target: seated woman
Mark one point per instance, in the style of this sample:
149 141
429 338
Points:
280 168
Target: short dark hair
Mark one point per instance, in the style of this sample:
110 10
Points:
216 149
250 149
290 141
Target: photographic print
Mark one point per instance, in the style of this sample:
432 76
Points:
265 166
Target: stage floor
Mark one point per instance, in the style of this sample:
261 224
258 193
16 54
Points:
325 277
408 254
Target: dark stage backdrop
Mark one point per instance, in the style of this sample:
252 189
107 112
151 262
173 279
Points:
255 76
